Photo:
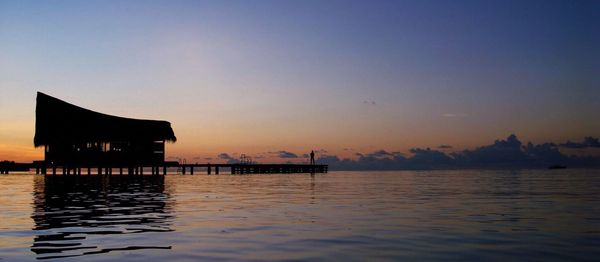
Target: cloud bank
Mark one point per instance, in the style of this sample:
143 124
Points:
507 153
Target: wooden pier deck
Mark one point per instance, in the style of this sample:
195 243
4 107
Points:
256 168
42 167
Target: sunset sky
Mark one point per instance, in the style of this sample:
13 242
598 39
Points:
347 77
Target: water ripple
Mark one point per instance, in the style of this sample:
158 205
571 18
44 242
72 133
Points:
350 216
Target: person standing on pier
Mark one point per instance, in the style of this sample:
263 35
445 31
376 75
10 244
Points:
312 157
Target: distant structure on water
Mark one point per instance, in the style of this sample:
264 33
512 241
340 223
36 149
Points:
75 135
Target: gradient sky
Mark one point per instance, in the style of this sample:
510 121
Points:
262 76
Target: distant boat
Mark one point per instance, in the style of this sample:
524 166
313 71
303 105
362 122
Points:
557 167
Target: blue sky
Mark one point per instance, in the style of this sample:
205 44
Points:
261 76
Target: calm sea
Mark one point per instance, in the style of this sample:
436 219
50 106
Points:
400 215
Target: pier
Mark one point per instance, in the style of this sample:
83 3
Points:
41 167
256 168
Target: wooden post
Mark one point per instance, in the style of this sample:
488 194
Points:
208 169
217 170
99 171
89 171
183 170
141 170
191 170
53 170
164 170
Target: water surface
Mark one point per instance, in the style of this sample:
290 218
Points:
426 215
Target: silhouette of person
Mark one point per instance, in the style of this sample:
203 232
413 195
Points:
312 157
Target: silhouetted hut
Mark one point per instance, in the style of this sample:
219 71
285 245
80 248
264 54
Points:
72 135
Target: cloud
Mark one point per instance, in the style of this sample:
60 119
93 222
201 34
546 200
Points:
445 146
380 153
503 153
588 141
224 156
450 115
286 154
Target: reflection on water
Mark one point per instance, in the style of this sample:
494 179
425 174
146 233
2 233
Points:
350 216
74 214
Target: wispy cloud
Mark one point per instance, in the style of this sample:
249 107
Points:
450 115
224 156
369 102
286 154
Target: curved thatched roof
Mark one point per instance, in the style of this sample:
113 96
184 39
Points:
57 121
